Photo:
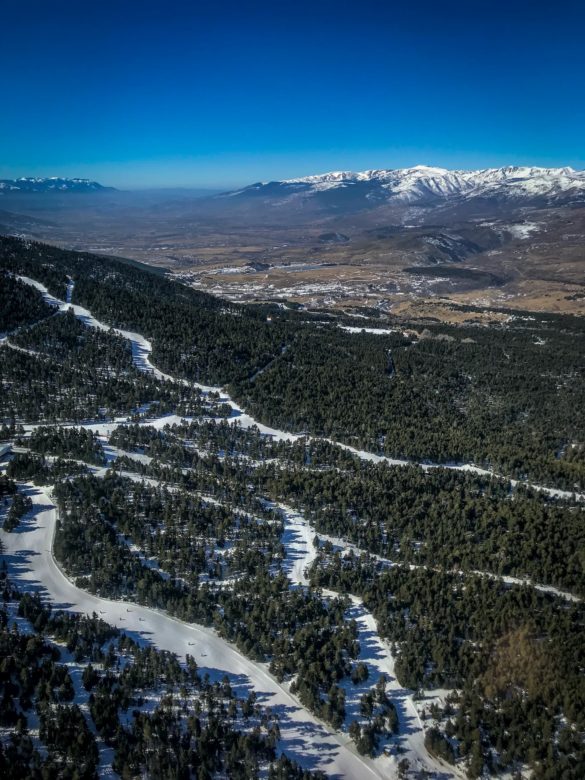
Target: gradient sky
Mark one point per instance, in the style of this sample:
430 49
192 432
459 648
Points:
219 94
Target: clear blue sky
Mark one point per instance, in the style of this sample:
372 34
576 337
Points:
225 93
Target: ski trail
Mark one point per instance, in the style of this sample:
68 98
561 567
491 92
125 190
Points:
31 565
375 652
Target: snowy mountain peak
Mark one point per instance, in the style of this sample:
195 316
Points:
50 184
429 185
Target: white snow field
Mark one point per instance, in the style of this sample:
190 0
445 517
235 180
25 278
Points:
298 541
374 331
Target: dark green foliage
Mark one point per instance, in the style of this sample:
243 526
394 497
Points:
82 635
176 528
517 655
67 443
18 509
20 304
381 719
285 769
77 373
438 745
442 517
8 486
66 337
494 396
26 467
73 753
195 335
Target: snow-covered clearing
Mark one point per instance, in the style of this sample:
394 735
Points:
375 331
523 230
298 542
70 288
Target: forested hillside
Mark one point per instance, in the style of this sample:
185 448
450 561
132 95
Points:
85 682
406 617
514 660
505 396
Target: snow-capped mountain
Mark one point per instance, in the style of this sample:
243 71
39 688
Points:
424 185
52 184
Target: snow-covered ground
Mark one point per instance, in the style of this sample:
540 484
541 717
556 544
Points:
523 230
69 292
298 541
375 331
303 737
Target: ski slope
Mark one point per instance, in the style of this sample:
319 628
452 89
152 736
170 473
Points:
303 737
300 554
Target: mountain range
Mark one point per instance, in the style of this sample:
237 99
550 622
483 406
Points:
423 186
510 236
420 185
52 184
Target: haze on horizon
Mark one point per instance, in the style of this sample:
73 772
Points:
139 95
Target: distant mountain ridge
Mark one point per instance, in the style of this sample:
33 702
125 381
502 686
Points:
51 184
426 186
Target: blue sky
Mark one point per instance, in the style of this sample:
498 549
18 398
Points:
220 94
